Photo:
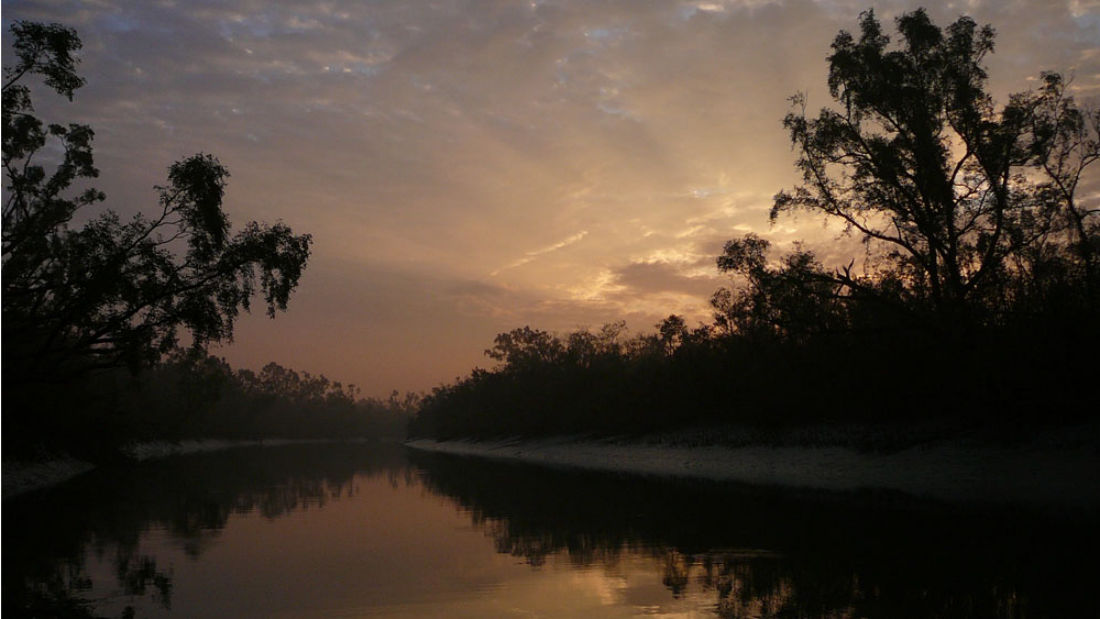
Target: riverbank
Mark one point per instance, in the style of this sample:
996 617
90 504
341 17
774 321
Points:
1055 467
22 477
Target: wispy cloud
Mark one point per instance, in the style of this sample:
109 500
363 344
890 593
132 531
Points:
529 256
428 144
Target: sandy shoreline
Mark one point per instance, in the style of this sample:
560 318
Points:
1043 471
23 477
949 470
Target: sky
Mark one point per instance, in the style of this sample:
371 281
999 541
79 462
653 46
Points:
467 167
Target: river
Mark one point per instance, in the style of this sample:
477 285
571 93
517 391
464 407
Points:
375 530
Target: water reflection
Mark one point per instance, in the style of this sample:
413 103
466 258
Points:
765 553
50 536
369 529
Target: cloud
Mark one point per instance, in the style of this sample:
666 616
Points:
426 145
642 278
545 250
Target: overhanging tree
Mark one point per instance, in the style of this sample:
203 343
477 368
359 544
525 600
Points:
115 292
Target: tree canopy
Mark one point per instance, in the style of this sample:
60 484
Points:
114 292
966 209
976 298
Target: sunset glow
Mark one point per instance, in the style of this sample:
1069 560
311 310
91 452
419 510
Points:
468 167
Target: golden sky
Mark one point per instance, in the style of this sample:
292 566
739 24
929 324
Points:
468 167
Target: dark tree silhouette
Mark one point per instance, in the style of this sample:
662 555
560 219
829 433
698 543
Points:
978 301
672 332
955 199
83 302
797 298
112 292
523 348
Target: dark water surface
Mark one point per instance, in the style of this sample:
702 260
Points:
378 531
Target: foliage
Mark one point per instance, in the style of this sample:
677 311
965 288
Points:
193 395
794 299
111 292
588 382
960 205
85 293
977 299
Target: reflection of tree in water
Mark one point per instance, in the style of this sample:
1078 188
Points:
759 554
48 536
752 584
771 554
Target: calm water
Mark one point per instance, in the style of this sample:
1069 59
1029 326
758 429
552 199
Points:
375 531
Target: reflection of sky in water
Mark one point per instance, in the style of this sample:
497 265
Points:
388 551
358 531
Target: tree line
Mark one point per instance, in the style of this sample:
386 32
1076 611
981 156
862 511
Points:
191 394
106 320
976 295
195 395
